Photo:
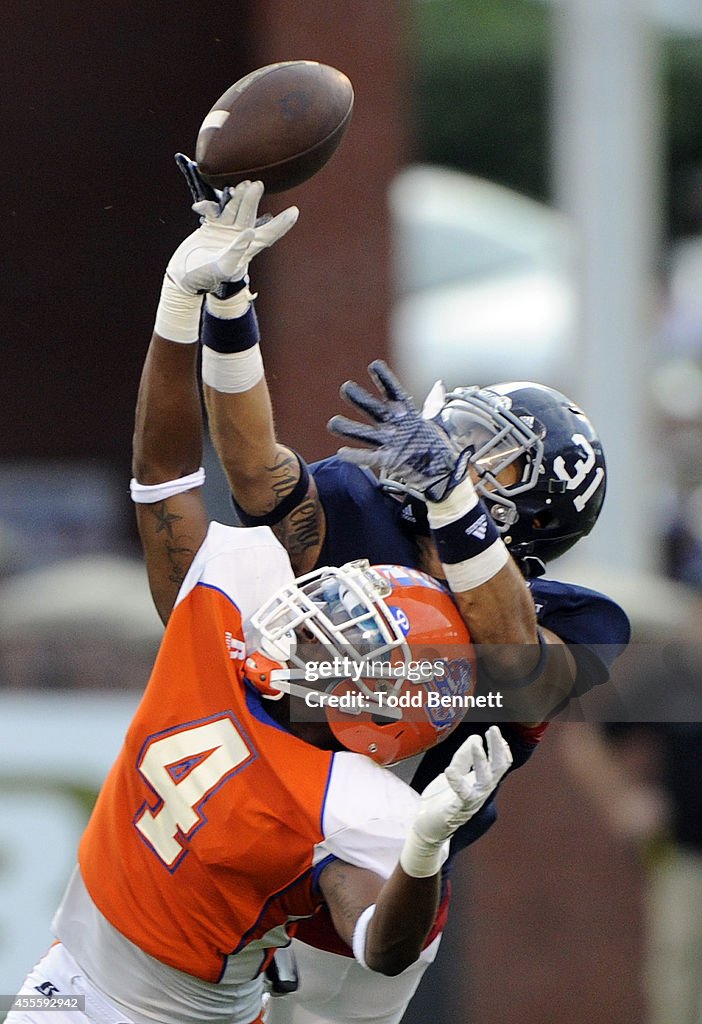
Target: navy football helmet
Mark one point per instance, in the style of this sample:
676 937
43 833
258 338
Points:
556 456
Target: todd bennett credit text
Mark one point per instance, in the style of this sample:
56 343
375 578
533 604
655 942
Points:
357 701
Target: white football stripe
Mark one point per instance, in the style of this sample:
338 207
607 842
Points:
215 119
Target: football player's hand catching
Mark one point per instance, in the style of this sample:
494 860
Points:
199 189
229 236
452 798
406 446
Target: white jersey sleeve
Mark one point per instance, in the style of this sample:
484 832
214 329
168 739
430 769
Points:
247 564
368 812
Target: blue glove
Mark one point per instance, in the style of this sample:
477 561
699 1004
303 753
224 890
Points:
408 448
199 189
201 192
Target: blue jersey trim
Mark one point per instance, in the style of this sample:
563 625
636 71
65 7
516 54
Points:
211 586
326 794
255 703
319 868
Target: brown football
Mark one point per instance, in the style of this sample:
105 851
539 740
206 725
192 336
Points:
279 124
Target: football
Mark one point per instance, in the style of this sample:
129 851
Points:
279 124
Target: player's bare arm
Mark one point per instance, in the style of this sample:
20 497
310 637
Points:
502 623
387 922
168 431
168 447
301 532
262 473
405 908
268 482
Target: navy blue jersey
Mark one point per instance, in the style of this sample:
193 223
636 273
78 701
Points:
365 522
362 520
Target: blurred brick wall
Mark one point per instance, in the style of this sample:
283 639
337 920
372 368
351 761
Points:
551 906
94 106
96 99
326 294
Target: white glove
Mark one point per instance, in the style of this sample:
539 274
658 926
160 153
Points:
226 241
452 799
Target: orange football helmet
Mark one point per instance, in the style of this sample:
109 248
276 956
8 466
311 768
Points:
383 651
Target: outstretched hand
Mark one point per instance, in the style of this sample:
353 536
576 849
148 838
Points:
229 237
406 446
453 797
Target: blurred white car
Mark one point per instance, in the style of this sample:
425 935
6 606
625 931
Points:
483 282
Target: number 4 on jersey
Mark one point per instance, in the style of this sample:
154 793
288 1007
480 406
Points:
184 768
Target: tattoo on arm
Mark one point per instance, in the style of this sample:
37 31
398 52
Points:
178 548
344 900
301 531
284 474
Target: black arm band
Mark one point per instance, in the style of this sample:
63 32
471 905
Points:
289 502
466 537
228 336
521 681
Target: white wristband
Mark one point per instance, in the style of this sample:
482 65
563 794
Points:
147 494
462 499
421 858
471 535
476 571
358 943
178 314
232 372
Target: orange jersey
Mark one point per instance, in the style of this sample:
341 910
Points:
205 837
185 827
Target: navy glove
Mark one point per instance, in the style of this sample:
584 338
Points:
199 189
407 448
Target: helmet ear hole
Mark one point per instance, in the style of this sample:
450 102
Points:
563 475
545 519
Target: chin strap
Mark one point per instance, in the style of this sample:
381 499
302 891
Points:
273 680
265 674
532 567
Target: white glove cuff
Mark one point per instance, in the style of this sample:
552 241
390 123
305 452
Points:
231 308
358 943
462 499
421 858
178 314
